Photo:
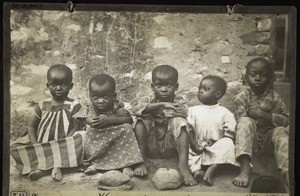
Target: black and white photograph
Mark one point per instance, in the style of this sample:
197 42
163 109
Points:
148 100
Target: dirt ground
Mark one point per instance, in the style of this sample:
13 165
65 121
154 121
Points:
73 179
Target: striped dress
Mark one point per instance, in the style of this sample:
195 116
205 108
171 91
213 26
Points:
53 148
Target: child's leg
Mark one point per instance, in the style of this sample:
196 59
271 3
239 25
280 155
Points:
141 135
281 149
56 174
208 176
183 152
244 141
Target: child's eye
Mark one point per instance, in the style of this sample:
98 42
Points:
95 97
158 85
170 85
106 97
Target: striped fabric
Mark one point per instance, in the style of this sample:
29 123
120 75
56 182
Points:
63 153
55 120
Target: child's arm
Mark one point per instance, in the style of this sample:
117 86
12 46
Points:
122 116
33 125
76 126
229 124
144 106
278 116
241 103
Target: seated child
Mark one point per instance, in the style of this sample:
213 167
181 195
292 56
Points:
161 127
47 144
262 122
214 130
110 142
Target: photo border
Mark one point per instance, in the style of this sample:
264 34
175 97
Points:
8 6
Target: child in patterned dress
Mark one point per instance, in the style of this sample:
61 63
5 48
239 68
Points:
52 122
262 125
214 130
110 142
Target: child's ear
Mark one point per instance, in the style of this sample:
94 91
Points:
218 94
115 96
152 86
176 86
48 85
71 86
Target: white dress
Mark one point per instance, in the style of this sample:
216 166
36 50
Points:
214 127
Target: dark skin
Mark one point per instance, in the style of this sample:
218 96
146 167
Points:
164 87
102 99
258 77
59 84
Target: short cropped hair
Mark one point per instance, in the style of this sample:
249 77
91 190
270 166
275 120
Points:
267 184
102 79
60 68
262 60
220 82
165 69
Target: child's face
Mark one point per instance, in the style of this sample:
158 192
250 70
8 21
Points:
102 97
164 87
258 76
208 92
59 85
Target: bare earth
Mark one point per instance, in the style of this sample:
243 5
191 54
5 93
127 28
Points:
73 179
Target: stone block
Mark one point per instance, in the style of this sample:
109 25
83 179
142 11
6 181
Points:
254 38
259 50
162 42
264 24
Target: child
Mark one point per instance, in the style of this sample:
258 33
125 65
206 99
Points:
214 133
47 144
110 142
161 127
262 122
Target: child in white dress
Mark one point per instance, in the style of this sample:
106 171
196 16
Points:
212 141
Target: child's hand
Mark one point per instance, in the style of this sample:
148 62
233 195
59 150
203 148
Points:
122 112
101 121
197 149
256 113
174 106
88 120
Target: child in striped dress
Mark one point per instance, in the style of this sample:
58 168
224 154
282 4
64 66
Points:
49 143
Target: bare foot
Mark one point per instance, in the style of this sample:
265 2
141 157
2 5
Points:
56 174
128 171
91 170
198 174
141 170
36 174
188 179
208 176
242 179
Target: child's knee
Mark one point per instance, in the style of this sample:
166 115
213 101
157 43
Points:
140 127
245 121
279 134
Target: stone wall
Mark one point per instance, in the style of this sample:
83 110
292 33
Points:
128 45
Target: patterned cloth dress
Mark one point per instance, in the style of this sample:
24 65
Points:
53 147
109 148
